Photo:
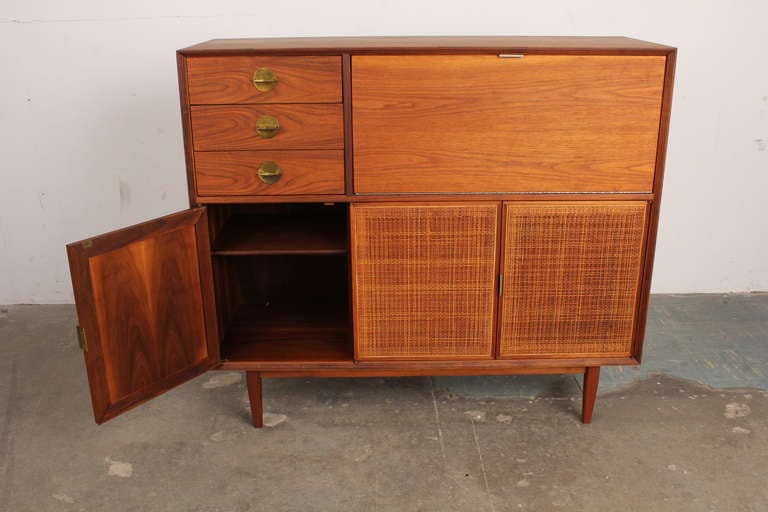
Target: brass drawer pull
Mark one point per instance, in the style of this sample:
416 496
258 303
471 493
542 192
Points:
269 172
267 127
264 79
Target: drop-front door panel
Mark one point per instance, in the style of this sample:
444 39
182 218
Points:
145 302
481 123
571 278
423 280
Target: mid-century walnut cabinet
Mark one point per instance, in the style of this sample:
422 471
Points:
390 207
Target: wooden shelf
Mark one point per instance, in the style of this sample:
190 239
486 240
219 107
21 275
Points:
290 234
296 333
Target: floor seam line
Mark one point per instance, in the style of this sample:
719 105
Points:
438 422
482 466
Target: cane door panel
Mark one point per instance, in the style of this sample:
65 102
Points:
571 278
424 280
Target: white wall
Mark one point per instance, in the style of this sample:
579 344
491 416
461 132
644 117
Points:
91 139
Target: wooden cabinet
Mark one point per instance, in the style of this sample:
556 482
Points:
390 207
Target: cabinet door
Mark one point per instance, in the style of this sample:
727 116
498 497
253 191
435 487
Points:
571 278
145 304
480 123
423 279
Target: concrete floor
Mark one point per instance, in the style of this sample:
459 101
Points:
658 442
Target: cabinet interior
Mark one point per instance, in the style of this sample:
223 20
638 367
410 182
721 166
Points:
282 281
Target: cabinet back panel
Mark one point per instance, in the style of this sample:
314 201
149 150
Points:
423 280
289 307
292 279
571 278
480 123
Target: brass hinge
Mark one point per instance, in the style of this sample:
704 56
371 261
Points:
82 340
501 284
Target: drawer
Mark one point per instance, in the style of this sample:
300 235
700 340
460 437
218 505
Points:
230 79
480 123
223 173
236 127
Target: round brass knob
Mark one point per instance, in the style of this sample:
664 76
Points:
264 79
267 127
269 172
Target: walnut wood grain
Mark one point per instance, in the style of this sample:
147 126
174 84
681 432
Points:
424 372
430 44
221 80
253 381
312 347
144 295
319 334
655 206
189 157
233 127
416 198
235 172
484 124
282 234
349 144
591 382
466 366
295 311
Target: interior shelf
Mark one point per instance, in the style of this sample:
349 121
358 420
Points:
303 333
281 275
297 229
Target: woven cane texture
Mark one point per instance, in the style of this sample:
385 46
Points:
424 280
571 278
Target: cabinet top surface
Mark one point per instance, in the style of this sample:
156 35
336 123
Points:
431 44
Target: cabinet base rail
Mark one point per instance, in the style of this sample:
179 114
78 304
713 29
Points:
253 379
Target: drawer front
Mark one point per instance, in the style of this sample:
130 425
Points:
480 123
571 278
423 280
219 80
236 127
222 173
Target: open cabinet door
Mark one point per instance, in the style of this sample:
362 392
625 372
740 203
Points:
145 303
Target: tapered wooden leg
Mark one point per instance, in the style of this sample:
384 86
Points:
254 394
591 380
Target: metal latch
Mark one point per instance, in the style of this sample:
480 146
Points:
501 284
82 340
